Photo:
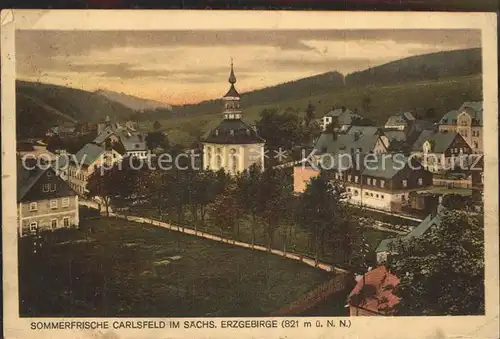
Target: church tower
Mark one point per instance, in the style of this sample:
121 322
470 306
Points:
233 145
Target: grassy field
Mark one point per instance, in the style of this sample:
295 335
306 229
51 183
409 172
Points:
118 268
442 95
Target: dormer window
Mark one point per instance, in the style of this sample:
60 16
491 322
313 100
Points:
216 132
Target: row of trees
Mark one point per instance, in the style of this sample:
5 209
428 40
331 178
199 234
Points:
216 199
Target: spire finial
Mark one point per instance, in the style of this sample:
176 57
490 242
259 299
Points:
232 77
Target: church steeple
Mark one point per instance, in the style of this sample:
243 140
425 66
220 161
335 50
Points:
232 98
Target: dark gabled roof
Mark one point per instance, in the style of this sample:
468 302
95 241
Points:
233 131
27 178
363 130
420 230
477 113
88 154
440 140
397 135
386 166
328 143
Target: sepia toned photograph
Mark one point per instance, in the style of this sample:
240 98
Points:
248 178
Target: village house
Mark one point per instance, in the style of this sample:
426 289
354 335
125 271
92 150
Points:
85 162
468 122
440 151
341 118
121 137
434 219
373 294
400 121
45 201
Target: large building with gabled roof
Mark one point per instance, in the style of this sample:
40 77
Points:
468 121
233 145
45 201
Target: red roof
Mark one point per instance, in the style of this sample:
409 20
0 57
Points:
375 293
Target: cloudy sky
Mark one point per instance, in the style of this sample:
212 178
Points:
179 67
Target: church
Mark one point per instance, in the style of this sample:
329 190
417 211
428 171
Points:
233 145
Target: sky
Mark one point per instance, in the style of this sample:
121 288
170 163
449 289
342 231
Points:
180 67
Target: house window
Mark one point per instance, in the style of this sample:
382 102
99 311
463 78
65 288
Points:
66 221
374 182
348 190
420 181
356 178
382 196
349 177
53 203
52 187
33 206
367 194
33 226
405 183
382 183
65 202
53 223
355 192
46 187
49 173
369 181
376 195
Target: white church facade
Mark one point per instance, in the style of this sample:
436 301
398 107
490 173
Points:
233 145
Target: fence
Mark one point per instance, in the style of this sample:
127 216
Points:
452 183
201 234
337 284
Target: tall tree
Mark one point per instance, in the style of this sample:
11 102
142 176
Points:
275 195
442 272
156 125
318 211
309 114
248 193
224 211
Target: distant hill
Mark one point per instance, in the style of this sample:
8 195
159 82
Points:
309 86
133 102
40 106
424 67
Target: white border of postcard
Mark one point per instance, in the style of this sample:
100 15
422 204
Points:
361 327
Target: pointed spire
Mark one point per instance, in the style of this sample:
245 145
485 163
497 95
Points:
232 77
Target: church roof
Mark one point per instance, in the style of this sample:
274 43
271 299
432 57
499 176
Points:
233 131
232 92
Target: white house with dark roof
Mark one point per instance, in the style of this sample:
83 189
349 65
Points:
340 117
400 121
440 151
468 122
85 162
132 142
45 201
233 145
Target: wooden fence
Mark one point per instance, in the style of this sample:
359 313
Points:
338 283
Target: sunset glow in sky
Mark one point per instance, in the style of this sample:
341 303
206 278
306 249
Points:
178 67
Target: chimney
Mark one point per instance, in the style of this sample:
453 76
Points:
333 108
356 136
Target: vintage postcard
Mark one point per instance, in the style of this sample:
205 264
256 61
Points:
222 174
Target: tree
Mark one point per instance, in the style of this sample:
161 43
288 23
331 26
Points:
367 103
456 202
156 139
309 114
248 185
103 184
319 212
156 125
442 272
224 211
275 195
